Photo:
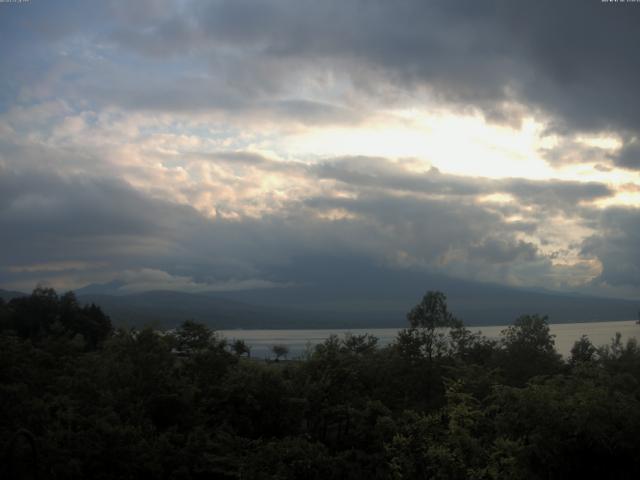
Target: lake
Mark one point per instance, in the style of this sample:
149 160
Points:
261 341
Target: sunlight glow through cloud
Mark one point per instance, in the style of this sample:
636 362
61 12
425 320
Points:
464 145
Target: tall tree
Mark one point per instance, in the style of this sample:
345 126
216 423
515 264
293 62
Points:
529 349
427 320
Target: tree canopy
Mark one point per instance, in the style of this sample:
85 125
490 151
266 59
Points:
80 399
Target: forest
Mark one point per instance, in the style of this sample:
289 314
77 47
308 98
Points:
82 399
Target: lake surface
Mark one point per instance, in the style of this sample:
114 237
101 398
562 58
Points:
298 341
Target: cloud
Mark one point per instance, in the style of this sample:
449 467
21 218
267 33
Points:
616 247
148 279
573 61
299 56
49 216
108 228
629 155
155 141
381 173
496 250
63 266
555 194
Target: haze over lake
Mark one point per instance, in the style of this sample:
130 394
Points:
298 341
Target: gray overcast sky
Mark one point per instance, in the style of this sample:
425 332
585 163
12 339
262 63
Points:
213 146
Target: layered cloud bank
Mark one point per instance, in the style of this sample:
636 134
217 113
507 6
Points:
206 146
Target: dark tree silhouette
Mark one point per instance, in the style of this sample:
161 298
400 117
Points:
529 349
192 337
43 314
240 347
440 402
280 351
427 321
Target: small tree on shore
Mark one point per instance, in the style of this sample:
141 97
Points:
240 347
280 351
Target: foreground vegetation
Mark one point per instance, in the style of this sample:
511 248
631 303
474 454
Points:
79 399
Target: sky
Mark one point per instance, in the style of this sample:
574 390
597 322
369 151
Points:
222 145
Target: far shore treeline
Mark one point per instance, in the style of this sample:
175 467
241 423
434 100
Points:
80 399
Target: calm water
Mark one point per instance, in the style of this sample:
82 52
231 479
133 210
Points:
261 341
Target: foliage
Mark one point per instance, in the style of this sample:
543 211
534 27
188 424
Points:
440 402
240 347
528 349
44 314
280 351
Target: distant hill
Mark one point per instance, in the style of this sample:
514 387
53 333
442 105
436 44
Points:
360 296
7 295
169 308
479 305
379 298
109 288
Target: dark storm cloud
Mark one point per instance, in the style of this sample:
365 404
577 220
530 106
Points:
48 218
629 155
574 60
167 37
496 250
149 90
425 227
113 228
45 217
378 173
555 194
616 246
314 112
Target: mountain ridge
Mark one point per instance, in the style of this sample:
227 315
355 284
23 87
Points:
382 302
